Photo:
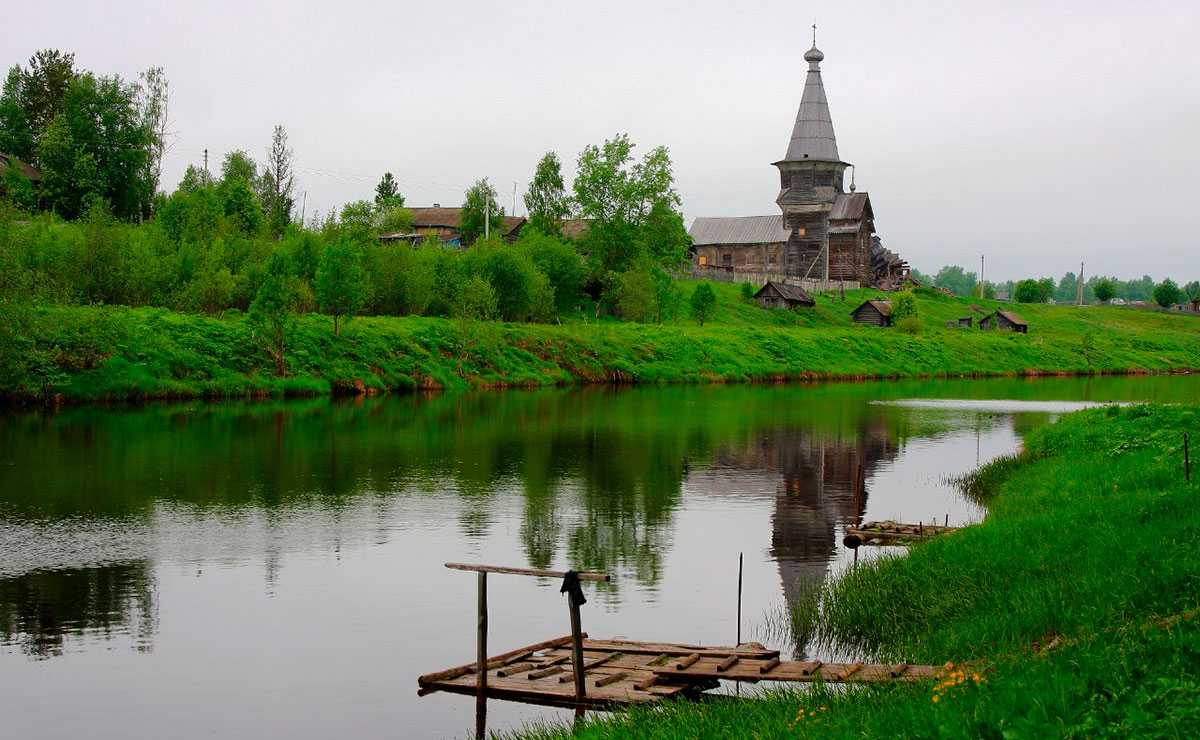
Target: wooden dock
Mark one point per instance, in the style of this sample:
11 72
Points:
889 533
623 672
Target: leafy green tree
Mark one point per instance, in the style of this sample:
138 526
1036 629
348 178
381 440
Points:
18 189
1104 290
242 208
393 219
630 204
956 280
96 147
154 97
667 295
904 305
1167 293
387 194
1045 289
272 314
481 216
51 73
341 281
16 131
238 167
278 183
1065 291
546 200
357 221
747 291
1028 291
704 302
1192 290
561 265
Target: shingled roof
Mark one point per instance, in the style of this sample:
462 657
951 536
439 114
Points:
792 293
29 171
812 136
738 230
451 218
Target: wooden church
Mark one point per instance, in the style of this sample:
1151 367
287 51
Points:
823 232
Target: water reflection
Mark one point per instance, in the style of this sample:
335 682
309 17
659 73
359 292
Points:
40 611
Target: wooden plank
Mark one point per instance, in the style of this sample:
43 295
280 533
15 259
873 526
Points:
479 568
804 672
728 663
611 678
686 661
898 669
767 665
851 670
515 668
534 675
645 683
746 650
495 662
811 667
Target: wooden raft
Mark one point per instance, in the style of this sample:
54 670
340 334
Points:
622 672
889 533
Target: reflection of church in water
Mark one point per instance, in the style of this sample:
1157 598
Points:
819 486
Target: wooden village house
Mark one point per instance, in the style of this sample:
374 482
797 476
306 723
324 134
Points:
446 225
1004 321
873 313
782 295
822 231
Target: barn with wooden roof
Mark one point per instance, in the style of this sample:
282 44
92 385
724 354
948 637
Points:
873 313
782 295
1004 321
823 231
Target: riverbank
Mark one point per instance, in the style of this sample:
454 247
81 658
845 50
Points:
1073 610
87 354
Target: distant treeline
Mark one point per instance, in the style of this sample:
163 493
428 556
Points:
1097 288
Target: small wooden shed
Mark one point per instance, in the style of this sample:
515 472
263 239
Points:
1004 321
782 295
962 322
876 313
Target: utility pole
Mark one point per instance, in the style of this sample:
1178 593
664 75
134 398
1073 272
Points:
206 175
1079 286
981 276
303 207
487 216
514 208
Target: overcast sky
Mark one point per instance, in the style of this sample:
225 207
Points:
1038 133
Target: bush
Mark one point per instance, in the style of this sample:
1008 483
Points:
704 302
904 305
747 291
910 325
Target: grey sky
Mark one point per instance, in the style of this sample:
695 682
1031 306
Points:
1038 133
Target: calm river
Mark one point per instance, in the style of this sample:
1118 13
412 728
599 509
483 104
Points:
275 569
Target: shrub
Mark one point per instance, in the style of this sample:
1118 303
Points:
904 305
910 325
747 291
704 302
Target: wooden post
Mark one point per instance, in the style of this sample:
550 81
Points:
1187 459
577 647
481 661
739 603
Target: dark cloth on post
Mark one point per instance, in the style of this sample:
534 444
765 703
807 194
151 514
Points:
572 585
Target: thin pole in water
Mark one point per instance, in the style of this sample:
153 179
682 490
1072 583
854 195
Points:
739 601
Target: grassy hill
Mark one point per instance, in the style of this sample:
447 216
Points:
113 353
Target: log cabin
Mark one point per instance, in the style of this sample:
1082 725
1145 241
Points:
782 295
1004 321
873 313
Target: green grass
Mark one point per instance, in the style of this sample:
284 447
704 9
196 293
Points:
112 353
1073 610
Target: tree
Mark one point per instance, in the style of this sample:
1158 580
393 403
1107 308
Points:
1045 289
272 312
704 302
45 86
957 280
559 262
546 199
636 299
481 215
476 300
1028 291
1104 290
96 147
631 205
1192 290
242 208
341 282
16 131
387 194
154 108
278 183
1167 293
238 166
